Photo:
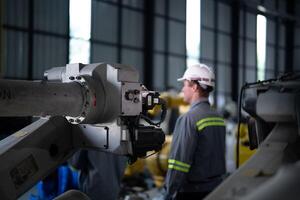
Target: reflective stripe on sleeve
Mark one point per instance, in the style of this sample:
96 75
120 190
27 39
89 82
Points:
182 169
200 128
210 121
178 165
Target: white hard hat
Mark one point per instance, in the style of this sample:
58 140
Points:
201 73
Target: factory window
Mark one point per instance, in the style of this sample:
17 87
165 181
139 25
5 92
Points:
80 31
261 46
193 31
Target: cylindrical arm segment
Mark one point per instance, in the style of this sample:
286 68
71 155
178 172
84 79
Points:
40 98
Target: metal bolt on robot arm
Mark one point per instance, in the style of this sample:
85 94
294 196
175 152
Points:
95 106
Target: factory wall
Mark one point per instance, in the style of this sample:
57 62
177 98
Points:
150 35
35 35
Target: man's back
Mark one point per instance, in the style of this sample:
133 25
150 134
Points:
197 158
208 164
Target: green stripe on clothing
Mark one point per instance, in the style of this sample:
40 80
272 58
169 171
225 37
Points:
179 163
178 168
204 125
208 119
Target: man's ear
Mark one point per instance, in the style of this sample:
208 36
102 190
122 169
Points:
195 87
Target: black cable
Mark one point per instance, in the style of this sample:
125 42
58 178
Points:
150 155
162 116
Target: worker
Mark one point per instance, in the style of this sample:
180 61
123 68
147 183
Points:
196 163
100 173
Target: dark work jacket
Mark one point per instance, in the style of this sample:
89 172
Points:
100 173
197 158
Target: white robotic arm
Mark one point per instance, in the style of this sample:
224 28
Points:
94 106
273 172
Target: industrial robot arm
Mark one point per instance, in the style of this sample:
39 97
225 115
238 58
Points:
94 106
274 170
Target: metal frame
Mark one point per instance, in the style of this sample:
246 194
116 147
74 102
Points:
31 33
119 36
30 39
277 36
119 46
216 42
166 36
235 24
148 42
68 37
216 62
289 37
166 52
244 43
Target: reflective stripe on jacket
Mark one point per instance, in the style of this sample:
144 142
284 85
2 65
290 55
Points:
197 157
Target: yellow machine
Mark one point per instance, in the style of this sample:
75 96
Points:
173 101
245 153
158 163
136 168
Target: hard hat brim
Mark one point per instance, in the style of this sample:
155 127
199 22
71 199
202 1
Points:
181 79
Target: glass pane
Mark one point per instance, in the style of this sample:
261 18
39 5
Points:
79 51
224 75
224 48
251 54
48 52
224 17
16 62
132 28
104 53
51 16
261 46
251 25
176 69
80 30
158 72
16 12
159 34
103 29
207 13
80 19
176 38
176 9
135 59
192 30
207 44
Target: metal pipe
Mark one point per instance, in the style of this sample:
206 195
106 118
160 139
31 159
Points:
40 98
